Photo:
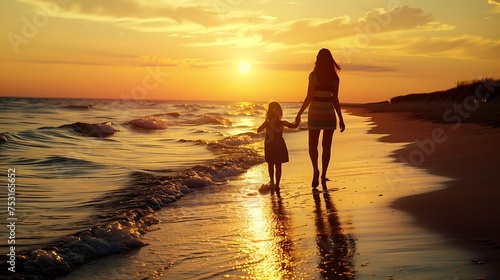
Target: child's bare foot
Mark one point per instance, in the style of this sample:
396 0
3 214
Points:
277 190
266 188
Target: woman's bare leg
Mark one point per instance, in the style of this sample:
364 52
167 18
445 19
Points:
313 154
325 157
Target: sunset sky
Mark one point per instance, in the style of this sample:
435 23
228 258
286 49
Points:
186 49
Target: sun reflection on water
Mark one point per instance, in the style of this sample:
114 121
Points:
271 248
266 240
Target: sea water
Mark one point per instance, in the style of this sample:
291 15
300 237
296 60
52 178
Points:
91 174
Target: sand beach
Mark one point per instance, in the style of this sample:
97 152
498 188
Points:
465 210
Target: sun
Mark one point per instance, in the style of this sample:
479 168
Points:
244 67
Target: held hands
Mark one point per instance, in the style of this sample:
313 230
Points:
297 119
297 122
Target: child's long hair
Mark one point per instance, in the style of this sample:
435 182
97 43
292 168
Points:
274 109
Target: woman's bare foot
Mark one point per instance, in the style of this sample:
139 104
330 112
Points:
315 181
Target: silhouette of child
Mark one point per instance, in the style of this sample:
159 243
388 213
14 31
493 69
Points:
275 150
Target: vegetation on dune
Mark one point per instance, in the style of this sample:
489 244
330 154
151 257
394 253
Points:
478 90
473 101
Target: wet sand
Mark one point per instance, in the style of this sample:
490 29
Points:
466 210
349 231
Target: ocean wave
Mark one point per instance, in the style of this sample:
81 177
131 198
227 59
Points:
78 249
191 107
128 213
242 139
79 107
55 160
214 119
220 146
99 130
195 107
148 123
172 114
248 109
164 115
29 138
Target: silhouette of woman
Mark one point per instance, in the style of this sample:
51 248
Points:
323 98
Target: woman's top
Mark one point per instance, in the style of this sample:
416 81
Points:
321 114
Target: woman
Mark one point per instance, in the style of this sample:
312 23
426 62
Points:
323 98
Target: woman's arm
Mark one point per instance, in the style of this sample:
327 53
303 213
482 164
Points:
307 100
290 125
336 105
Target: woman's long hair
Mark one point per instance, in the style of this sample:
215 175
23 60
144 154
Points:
325 68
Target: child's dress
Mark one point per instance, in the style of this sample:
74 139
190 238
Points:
274 146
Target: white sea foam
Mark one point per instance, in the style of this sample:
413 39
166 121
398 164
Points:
76 250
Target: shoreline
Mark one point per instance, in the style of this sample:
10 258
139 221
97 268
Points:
465 210
347 232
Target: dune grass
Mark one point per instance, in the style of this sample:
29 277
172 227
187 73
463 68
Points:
471 101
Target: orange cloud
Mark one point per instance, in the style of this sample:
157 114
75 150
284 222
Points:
140 61
304 33
461 47
154 17
496 6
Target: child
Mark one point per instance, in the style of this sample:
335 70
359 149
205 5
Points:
275 150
